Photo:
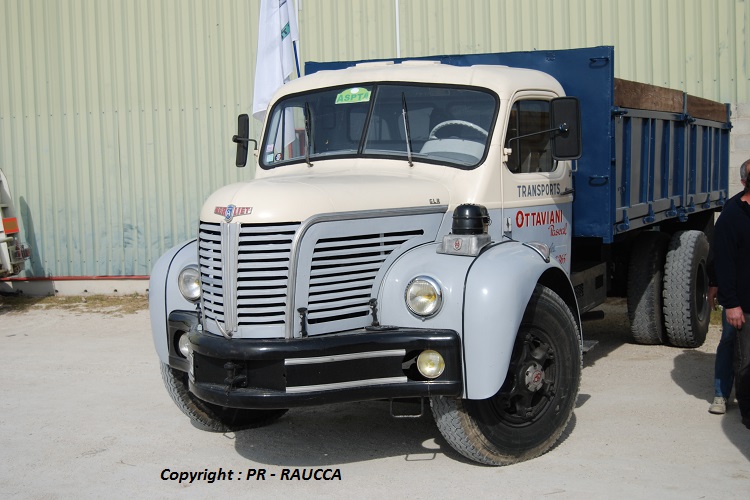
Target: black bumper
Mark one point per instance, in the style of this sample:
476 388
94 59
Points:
353 366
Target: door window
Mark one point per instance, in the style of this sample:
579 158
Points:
531 149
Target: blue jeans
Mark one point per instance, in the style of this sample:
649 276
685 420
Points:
723 369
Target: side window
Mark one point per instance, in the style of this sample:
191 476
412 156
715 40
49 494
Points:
532 153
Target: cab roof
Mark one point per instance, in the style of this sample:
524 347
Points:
503 80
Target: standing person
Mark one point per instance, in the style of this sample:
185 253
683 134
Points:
732 264
724 364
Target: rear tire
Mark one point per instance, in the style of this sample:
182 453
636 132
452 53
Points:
209 416
645 282
532 408
686 310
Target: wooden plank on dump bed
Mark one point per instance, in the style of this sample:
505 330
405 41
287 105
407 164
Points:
637 95
644 96
699 107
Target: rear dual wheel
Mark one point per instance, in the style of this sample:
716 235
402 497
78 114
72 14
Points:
686 309
668 289
645 285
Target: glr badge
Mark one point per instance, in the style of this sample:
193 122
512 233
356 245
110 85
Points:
232 211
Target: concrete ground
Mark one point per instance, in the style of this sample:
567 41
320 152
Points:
83 414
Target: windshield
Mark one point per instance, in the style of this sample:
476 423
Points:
437 124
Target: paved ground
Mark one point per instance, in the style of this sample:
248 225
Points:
83 413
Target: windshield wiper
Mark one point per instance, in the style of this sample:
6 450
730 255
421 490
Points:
308 134
406 128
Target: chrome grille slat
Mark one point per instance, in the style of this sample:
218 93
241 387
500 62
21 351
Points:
328 272
345 279
315 317
338 287
346 260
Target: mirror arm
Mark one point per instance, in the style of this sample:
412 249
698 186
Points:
561 129
245 140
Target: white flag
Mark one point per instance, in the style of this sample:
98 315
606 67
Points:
275 62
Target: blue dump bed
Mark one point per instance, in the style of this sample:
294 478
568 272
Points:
649 153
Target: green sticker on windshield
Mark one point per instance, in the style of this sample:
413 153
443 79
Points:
350 96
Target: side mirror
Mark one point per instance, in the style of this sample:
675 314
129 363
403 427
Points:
565 114
242 139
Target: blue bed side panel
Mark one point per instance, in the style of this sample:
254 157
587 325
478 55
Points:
586 73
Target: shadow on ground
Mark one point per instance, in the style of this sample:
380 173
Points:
341 434
693 372
351 433
609 327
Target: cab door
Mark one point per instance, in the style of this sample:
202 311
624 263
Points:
537 189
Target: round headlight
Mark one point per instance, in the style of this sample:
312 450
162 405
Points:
423 296
189 283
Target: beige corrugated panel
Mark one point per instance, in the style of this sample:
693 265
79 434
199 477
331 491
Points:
699 46
116 115
115 123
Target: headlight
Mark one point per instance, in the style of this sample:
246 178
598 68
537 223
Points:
423 297
189 283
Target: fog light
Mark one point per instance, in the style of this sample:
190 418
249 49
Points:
430 364
183 345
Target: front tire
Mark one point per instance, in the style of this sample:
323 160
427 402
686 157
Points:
532 408
209 416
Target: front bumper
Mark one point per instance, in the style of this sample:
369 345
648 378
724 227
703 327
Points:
352 366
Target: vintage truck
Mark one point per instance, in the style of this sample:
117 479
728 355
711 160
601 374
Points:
13 252
434 229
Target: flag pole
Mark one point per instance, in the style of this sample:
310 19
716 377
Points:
296 58
297 8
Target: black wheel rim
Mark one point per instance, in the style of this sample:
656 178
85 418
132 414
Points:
530 387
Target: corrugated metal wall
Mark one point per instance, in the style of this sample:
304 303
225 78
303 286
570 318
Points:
115 123
700 46
116 115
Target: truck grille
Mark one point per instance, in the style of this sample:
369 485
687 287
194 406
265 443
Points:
262 272
248 277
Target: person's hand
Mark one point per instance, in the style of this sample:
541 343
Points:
713 291
735 317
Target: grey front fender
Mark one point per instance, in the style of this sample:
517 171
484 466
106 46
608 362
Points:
499 285
163 294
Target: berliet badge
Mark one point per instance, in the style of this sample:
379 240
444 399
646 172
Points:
232 211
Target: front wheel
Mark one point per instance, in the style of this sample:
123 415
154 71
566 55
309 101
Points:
210 416
530 411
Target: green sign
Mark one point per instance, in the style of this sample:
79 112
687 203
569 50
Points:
353 95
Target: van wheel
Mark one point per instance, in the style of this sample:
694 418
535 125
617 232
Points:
530 411
645 276
686 310
210 416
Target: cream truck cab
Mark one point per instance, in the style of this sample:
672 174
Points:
406 236
430 230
